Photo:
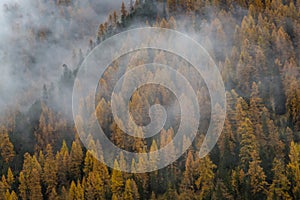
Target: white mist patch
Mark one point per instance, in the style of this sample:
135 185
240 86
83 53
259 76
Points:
38 37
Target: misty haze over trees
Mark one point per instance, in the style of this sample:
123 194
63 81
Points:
256 46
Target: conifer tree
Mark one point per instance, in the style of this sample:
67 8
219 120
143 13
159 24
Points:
76 160
117 181
6 147
10 178
123 13
30 179
13 196
50 170
248 143
94 186
72 191
23 187
62 157
187 183
88 163
221 191
257 177
205 176
238 183
280 184
131 190
294 169
256 105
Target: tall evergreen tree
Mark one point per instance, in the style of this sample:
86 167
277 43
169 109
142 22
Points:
76 160
294 169
280 184
131 191
6 147
205 176
50 171
30 179
117 182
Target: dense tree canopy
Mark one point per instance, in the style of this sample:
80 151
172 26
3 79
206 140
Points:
256 45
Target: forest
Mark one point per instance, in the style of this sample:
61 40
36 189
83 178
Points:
256 47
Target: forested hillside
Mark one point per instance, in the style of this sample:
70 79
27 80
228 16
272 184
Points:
256 46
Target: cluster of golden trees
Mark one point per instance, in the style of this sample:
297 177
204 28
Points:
255 45
76 174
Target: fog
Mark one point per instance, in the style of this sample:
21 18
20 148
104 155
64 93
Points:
36 39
